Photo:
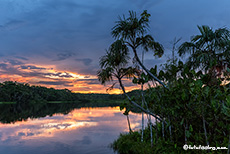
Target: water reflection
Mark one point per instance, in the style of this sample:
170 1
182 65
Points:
84 130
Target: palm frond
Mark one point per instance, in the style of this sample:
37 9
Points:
130 72
105 75
186 47
131 27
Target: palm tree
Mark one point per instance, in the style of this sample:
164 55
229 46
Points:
114 65
132 31
209 50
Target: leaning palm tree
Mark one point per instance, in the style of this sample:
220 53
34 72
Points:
114 65
132 31
209 50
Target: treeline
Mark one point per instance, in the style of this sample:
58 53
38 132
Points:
11 91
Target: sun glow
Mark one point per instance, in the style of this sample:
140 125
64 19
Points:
49 76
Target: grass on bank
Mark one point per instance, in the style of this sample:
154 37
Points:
130 143
7 103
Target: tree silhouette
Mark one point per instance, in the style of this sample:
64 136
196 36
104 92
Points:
132 32
209 50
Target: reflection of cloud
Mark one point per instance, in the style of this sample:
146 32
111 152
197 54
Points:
85 140
88 127
21 134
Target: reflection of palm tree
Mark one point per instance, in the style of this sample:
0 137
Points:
113 64
208 50
133 33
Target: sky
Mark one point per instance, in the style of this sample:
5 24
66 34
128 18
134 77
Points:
58 43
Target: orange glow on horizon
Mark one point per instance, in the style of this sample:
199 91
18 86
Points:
49 76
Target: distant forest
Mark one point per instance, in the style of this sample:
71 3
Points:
11 91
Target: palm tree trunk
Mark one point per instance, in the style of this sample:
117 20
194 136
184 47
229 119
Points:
142 105
163 129
229 144
151 132
135 104
170 129
185 137
140 63
205 131
156 131
130 130
142 126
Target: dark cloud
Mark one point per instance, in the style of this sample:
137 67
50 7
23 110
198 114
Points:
86 77
56 83
14 62
85 61
13 24
3 66
89 81
22 58
9 69
59 74
32 67
63 56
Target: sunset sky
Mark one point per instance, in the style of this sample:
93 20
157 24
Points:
58 43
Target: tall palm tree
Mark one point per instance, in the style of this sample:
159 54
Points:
209 50
133 33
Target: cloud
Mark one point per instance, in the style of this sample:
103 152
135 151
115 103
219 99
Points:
32 67
63 56
57 4
59 74
11 25
3 66
22 58
14 62
56 83
89 81
85 61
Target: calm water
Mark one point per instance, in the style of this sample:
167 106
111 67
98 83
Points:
80 131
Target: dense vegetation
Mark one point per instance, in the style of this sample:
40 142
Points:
190 101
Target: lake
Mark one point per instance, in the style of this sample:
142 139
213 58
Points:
77 131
